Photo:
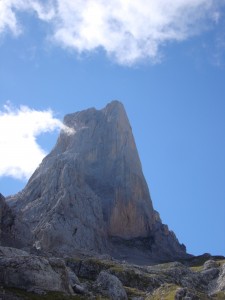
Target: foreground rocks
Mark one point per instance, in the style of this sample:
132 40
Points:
110 286
26 276
174 280
20 270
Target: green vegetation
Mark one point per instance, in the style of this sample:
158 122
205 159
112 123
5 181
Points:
48 296
221 262
135 278
168 292
199 268
132 292
196 269
165 292
219 296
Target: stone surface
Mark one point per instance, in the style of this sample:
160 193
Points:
73 279
111 279
209 264
110 286
162 281
32 273
11 252
90 194
7 220
185 294
220 284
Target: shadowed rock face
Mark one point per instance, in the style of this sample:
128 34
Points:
91 189
6 222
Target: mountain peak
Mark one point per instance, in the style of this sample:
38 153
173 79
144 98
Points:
114 105
90 191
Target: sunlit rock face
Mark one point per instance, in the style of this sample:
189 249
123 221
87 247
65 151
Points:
90 191
108 162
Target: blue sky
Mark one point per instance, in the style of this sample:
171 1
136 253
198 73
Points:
165 60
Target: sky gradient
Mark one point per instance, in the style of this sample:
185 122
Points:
166 63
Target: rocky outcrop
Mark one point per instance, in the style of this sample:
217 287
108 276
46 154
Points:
164 281
36 277
6 222
14 232
110 286
20 270
218 285
12 252
89 194
184 293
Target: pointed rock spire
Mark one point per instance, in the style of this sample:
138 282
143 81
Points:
91 189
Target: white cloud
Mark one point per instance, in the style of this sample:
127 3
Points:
20 152
10 8
128 30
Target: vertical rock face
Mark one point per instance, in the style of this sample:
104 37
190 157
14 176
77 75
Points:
91 188
108 162
6 222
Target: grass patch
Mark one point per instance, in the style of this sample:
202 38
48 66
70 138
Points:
32 296
89 268
168 292
196 269
165 292
134 278
200 267
132 292
221 262
219 296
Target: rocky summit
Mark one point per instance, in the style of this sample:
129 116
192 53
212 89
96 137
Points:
89 194
84 227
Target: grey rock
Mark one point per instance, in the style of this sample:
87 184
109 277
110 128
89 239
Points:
13 231
210 264
220 284
6 219
153 280
75 283
185 294
110 286
34 273
209 274
78 289
181 292
73 279
91 189
11 252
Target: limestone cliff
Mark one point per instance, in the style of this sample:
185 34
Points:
90 194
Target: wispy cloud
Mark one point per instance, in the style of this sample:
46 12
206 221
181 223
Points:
19 128
128 31
218 57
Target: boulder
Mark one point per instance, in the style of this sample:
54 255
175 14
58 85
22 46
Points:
221 280
32 273
12 252
110 286
185 294
209 264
